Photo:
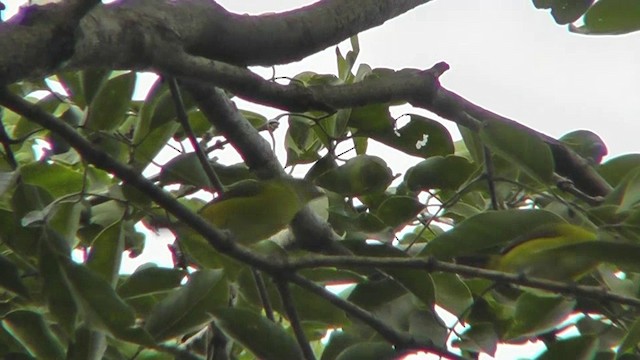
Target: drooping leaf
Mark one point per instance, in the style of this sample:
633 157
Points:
439 172
31 330
368 351
480 338
57 179
421 137
580 347
452 294
536 314
190 307
106 253
564 11
107 109
10 278
612 17
616 169
264 338
520 147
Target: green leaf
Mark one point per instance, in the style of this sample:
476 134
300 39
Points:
581 347
264 338
71 81
363 174
88 345
368 351
92 81
537 314
56 289
631 339
339 340
30 329
479 338
108 107
627 194
106 253
396 211
617 168
523 149
185 169
57 179
10 278
150 280
487 230
452 294
564 11
371 119
421 137
302 142
101 306
439 172
612 17
190 307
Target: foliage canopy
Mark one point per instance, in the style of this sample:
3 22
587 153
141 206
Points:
511 231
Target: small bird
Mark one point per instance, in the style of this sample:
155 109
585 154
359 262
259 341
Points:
547 252
586 144
254 210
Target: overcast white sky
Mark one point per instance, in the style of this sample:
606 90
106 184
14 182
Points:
506 56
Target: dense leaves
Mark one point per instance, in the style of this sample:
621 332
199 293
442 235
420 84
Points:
489 203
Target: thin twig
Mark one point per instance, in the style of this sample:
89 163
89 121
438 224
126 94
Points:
294 320
489 172
184 122
431 264
264 295
402 341
6 144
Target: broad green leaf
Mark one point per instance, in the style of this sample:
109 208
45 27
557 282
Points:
30 329
396 211
363 174
56 289
520 147
439 172
581 347
71 81
368 351
487 230
631 339
25 127
479 338
609 335
537 314
105 255
373 294
586 144
564 11
310 307
627 194
186 169
101 306
88 345
150 280
612 17
92 81
302 142
339 340
371 119
10 278
421 137
57 179
151 144
473 144
616 169
108 107
190 307
452 294
65 219
264 338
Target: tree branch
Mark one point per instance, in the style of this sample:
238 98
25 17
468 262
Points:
294 320
220 240
431 264
402 341
128 34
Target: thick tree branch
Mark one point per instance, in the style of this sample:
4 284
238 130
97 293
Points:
430 264
130 34
420 88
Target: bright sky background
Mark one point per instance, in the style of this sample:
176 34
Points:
506 56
